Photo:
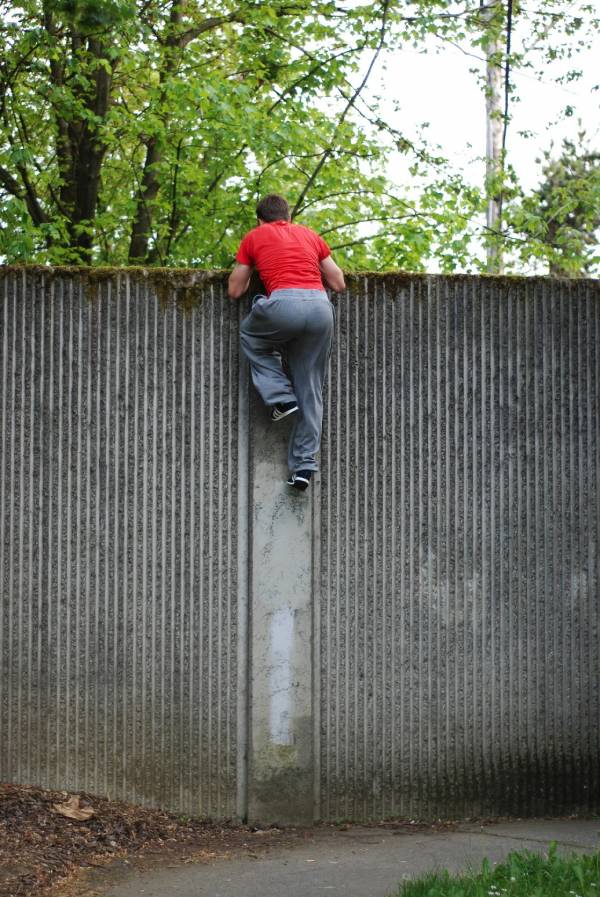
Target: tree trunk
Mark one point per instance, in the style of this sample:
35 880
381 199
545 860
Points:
89 154
80 152
140 230
149 186
494 127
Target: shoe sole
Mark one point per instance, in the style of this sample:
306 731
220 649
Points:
299 483
279 415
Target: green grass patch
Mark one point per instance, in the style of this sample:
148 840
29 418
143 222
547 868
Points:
522 874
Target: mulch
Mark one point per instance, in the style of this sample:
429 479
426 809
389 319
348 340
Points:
42 850
44 853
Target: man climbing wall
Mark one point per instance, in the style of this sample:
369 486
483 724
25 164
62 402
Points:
296 315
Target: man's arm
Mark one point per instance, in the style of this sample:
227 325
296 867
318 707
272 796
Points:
332 275
239 280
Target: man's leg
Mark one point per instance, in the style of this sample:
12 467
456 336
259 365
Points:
308 357
262 335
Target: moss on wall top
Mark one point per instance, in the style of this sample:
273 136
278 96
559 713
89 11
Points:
185 286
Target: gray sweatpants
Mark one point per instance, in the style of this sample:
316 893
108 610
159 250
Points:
299 323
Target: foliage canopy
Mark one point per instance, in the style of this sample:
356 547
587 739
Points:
143 131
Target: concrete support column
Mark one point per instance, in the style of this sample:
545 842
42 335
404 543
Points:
281 729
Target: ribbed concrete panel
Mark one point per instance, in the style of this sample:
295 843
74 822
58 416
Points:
456 549
455 569
121 561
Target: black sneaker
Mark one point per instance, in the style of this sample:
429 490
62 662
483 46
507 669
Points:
282 409
300 479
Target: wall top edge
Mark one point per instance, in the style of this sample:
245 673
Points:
106 271
190 277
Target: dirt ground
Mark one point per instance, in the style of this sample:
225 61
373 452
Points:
44 853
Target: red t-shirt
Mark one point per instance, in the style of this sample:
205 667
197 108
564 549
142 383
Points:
285 255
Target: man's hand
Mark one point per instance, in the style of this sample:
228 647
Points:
239 280
332 275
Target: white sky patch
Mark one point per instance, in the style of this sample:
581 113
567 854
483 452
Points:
438 88
436 84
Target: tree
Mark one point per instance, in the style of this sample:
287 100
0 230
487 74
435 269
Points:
124 123
561 218
551 31
142 131
497 31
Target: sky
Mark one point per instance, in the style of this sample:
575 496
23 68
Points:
438 87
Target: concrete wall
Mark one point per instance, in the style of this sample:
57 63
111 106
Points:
417 636
123 556
458 574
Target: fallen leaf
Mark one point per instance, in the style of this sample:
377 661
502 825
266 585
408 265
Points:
72 810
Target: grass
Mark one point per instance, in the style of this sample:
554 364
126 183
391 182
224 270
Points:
520 875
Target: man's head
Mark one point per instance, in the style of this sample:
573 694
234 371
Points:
273 208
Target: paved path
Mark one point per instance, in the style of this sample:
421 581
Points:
360 862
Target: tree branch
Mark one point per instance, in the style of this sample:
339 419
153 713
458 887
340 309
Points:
282 96
210 24
328 152
9 183
330 230
36 212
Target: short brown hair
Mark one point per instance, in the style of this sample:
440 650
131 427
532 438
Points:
273 208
